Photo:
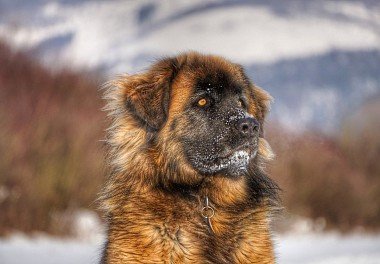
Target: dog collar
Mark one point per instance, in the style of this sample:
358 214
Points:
207 213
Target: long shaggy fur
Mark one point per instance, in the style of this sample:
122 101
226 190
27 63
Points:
153 197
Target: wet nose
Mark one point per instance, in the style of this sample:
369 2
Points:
248 126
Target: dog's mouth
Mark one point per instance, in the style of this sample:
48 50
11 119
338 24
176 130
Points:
228 153
232 162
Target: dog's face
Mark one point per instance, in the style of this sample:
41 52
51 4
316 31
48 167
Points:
204 112
220 134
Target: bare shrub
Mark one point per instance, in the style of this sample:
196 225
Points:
323 177
51 160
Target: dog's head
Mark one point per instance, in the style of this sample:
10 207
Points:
202 114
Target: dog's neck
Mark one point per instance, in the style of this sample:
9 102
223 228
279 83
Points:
225 192
217 196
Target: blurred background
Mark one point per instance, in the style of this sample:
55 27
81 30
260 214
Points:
320 60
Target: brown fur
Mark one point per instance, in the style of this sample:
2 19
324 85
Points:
151 218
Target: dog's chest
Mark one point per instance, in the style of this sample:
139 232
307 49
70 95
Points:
181 236
174 232
180 243
188 238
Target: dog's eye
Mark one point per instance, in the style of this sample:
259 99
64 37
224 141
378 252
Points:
202 102
241 103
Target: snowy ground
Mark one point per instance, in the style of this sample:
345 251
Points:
328 249
309 248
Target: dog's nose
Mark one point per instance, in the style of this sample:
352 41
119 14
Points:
248 126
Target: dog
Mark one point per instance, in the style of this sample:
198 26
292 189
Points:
187 153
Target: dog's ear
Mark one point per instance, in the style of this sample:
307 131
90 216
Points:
262 100
147 94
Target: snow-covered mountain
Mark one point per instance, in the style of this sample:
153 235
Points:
319 59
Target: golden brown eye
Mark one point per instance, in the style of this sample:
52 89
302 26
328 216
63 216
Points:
240 103
202 102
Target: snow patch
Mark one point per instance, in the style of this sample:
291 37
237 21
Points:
240 159
87 226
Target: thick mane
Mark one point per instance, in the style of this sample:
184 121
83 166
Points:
126 140
261 187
